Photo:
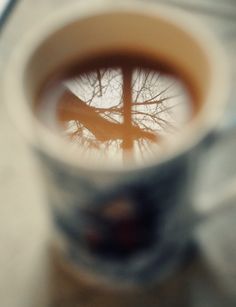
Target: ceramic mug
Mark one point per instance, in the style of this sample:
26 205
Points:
159 193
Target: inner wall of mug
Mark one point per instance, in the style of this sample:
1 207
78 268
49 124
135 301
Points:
152 34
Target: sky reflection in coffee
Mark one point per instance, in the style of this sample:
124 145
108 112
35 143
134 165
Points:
122 112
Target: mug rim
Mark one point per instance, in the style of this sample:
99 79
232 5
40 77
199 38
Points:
24 118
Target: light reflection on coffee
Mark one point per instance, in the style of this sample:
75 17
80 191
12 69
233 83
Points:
120 108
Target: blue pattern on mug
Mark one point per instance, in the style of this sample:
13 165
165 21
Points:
133 231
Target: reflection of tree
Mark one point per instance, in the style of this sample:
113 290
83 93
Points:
90 118
119 109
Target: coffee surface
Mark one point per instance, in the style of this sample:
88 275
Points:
122 107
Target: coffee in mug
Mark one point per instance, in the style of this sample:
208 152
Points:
121 105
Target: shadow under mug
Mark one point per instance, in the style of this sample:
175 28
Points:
160 192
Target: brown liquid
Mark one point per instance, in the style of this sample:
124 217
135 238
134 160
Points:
117 106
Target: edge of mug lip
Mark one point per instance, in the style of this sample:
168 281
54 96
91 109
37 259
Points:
64 15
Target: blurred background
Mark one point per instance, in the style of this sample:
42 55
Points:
208 280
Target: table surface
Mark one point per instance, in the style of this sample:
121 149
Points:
24 261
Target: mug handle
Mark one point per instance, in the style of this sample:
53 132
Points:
210 204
